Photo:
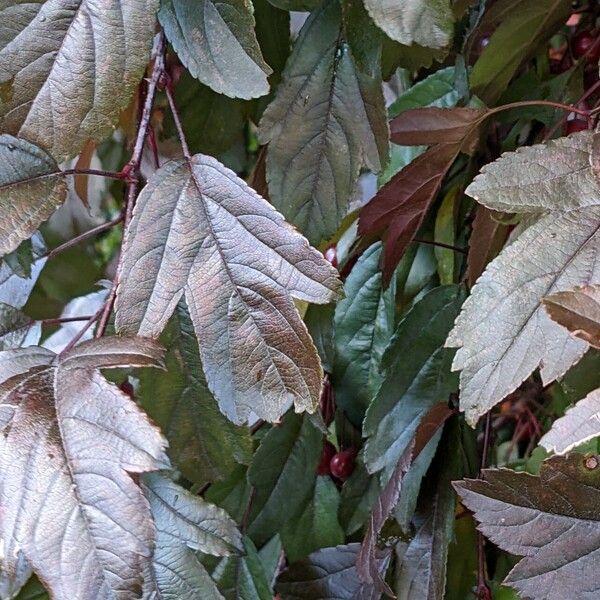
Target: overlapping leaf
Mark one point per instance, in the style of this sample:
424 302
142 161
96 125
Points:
429 23
71 439
69 68
217 44
551 520
327 120
31 189
199 231
185 523
203 444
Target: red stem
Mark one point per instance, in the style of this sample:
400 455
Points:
177 120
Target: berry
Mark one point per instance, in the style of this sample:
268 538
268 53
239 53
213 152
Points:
342 464
575 125
327 453
582 44
331 255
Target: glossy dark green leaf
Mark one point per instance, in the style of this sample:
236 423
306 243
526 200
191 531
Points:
31 189
327 574
417 376
283 474
203 444
317 525
70 68
359 493
364 324
201 232
327 120
273 34
217 44
546 519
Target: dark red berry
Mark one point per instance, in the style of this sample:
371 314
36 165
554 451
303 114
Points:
575 125
590 77
327 453
331 255
586 43
342 464
126 387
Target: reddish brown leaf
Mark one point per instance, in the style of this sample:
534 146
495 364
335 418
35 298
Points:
399 207
437 126
487 239
84 162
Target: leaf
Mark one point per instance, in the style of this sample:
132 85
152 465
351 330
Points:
71 441
398 209
295 5
200 231
579 311
327 120
217 44
69 69
317 526
417 376
326 574
579 424
445 227
203 444
185 523
429 23
17 329
486 241
32 187
548 520
522 27
553 176
33 590
283 473
364 323
241 577
503 333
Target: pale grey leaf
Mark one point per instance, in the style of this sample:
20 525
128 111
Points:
17 329
327 120
545 177
18 361
503 333
69 505
32 187
429 23
217 44
68 68
199 230
579 424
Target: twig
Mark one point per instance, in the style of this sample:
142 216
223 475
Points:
120 175
60 320
82 331
441 245
177 120
84 236
483 591
132 169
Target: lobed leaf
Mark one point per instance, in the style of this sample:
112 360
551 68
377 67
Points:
69 68
217 44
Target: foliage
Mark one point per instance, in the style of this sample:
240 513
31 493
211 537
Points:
294 295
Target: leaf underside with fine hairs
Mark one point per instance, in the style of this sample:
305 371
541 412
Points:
547 520
69 68
71 439
200 231
31 189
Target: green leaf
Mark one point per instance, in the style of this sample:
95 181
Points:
359 493
283 474
33 590
69 69
326 574
522 27
317 526
243 577
32 187
273 34
200 231
295 5
232 494
185 523
364 323
444 234
429 23
548 520
217 44
503 333
203 444
327 120
417 376
271 556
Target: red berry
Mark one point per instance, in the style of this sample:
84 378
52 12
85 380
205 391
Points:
575 125
331 255
582 44
327 453
127 388
342 464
